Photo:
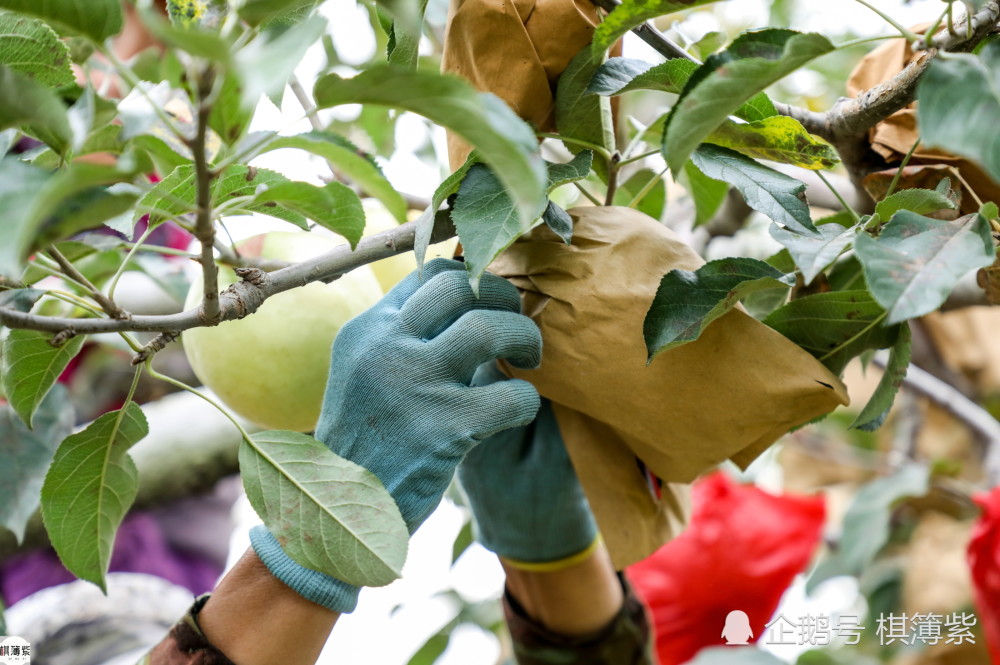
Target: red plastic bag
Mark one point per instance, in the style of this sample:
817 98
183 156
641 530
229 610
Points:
984 560
741 551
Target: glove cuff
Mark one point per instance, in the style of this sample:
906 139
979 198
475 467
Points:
312 585
551 566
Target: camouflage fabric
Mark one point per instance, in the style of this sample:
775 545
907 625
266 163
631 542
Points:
626 641
186 644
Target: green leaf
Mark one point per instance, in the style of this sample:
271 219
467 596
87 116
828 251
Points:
88 489
631 13
914 264
30 47
687 302
463 541
877 408
431 651
79 197
39 206
229 119
19 182
27 454
256 12
737 656
621 75
175 195
559 221
919 201
21 300
653 202
328 513
29 104
350 160
403 48
867 521
264 66
29 367
577 168
486 220
707 193
580 115
193 38
502 139
425 223
754 61
957 95
835 326
777 138
97 19
781 197
814 253
334 206
204 14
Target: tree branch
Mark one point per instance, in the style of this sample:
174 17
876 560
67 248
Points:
973 416
245 297
106 303
653 37
204 223
852 117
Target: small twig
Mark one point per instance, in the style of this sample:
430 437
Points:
154 346
646 189
306 102
899 171
973 416
839 197
609 196
590 197
653 37
110 307
907 34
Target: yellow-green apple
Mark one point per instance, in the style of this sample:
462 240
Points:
271 366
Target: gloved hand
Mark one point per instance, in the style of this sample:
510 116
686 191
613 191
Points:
526 501
399 402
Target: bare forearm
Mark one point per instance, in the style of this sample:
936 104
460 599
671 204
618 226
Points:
255 619
578 600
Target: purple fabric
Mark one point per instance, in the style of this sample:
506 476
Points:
140 547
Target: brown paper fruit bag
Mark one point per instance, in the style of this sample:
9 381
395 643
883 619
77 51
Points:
516 50
728 395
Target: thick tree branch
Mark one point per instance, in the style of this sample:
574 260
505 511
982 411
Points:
851 117
846 124
244 297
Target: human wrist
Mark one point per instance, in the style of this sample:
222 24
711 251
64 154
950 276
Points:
314 586
590 586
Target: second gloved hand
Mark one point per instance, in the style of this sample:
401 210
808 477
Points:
526 501
399 401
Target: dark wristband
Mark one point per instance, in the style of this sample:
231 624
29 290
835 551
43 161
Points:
186 644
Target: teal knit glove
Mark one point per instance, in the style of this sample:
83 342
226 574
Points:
399 402
527 503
